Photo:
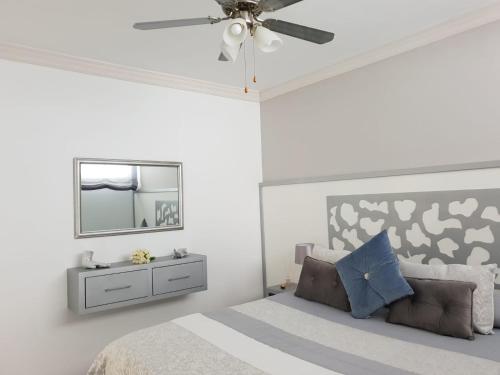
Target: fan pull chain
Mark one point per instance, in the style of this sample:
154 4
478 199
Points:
254 65
245 65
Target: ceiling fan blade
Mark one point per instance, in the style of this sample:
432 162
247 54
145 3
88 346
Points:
175 23
299 31
272 5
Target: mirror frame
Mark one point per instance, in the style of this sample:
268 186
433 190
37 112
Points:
77 162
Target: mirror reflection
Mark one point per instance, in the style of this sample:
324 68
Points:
121 196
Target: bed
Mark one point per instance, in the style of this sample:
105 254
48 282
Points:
285 334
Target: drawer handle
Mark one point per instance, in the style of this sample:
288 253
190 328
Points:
179 278
117 288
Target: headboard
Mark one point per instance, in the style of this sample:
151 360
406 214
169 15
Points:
440 217
439 227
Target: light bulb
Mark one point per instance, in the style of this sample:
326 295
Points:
236 29
236 32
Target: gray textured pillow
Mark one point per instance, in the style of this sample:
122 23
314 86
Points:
440 306
497 308
483 276
320 282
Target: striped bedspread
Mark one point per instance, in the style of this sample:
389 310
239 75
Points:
287 335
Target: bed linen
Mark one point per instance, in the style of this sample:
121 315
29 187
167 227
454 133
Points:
285 334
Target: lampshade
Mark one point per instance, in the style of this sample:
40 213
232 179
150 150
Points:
230 52
302 250
235 32
266 40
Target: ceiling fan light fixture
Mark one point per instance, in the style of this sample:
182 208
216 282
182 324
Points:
235 32
247 24
266 40
230 52
236 29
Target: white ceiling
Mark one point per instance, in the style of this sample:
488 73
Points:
102 30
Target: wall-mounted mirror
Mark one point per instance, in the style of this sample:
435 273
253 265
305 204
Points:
126 196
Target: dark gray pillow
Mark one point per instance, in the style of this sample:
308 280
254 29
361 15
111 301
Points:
497 308
440 306
320 282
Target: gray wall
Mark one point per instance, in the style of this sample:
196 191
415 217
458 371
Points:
436 105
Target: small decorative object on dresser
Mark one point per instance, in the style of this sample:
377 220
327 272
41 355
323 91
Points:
180 253
124 284
141 256
89 263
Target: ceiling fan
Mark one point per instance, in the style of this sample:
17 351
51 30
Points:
244 21
243 16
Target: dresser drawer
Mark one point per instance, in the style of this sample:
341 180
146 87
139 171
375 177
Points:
118 287
177 277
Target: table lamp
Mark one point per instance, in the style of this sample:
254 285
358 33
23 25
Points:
302 250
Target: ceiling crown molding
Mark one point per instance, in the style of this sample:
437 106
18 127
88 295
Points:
99 68
453 27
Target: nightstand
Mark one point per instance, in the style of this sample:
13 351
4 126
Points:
276 289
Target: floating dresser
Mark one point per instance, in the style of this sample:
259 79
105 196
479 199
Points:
125 284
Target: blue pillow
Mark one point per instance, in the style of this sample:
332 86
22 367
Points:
371 277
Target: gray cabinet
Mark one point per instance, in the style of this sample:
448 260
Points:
168 279
117 287
125 284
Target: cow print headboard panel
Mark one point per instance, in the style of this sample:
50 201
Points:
441 227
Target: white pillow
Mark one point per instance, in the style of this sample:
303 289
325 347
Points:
327 255
483 312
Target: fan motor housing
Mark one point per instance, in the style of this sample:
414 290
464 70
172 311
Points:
250 6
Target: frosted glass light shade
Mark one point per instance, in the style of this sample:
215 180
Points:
235 32
266 40
230 52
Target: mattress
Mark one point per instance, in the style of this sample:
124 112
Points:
284 334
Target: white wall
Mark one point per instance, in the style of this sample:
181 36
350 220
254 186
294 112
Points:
47 117
436 105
